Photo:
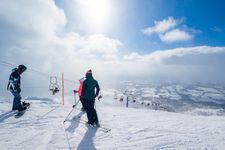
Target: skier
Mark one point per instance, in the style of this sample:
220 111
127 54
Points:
88 96
14 88
79 90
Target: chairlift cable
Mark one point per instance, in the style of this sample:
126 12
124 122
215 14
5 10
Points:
7 64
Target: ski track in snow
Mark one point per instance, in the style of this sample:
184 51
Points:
41 127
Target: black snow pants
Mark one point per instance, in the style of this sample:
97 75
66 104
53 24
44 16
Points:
91 112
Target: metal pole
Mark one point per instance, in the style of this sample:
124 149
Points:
62 89
127 101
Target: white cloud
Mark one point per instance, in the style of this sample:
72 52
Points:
100 44
161 56
38 26
162 26
33 33
175 35
171 30
191 64
217 29
110 57
33 17
132 57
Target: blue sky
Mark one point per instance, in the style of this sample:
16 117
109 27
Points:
143 40
205 16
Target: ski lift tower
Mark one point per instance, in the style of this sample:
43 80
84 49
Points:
127 93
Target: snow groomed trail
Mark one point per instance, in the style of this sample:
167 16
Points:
42 127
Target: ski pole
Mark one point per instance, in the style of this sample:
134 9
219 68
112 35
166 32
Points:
71 111
75 91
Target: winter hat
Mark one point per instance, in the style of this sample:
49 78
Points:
89 73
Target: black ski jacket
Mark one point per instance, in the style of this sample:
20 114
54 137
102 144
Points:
14 81
88 88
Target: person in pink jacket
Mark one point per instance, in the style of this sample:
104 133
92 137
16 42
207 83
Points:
79 90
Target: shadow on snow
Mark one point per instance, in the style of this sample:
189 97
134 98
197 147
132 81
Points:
7 115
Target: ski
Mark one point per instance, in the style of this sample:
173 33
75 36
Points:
83 121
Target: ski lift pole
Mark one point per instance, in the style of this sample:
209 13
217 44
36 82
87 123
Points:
127 101
127 94
62 89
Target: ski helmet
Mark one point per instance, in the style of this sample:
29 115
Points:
22 68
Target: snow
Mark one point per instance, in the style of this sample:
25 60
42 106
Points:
41 127
169 92
207 89
148 92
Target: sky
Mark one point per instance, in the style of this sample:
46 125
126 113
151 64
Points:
143 40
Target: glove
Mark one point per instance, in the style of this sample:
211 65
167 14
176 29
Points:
100 96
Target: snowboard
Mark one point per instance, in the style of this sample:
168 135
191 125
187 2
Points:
21 113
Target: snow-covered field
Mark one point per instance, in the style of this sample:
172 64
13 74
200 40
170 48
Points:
181 98
41 127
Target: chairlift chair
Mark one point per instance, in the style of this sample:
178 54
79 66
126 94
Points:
53 87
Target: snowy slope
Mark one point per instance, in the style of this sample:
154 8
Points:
174 97
42 128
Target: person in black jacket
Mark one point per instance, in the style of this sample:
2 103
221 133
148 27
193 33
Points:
14 87
88 95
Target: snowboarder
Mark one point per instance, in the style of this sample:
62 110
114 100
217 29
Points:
14 88
88 96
